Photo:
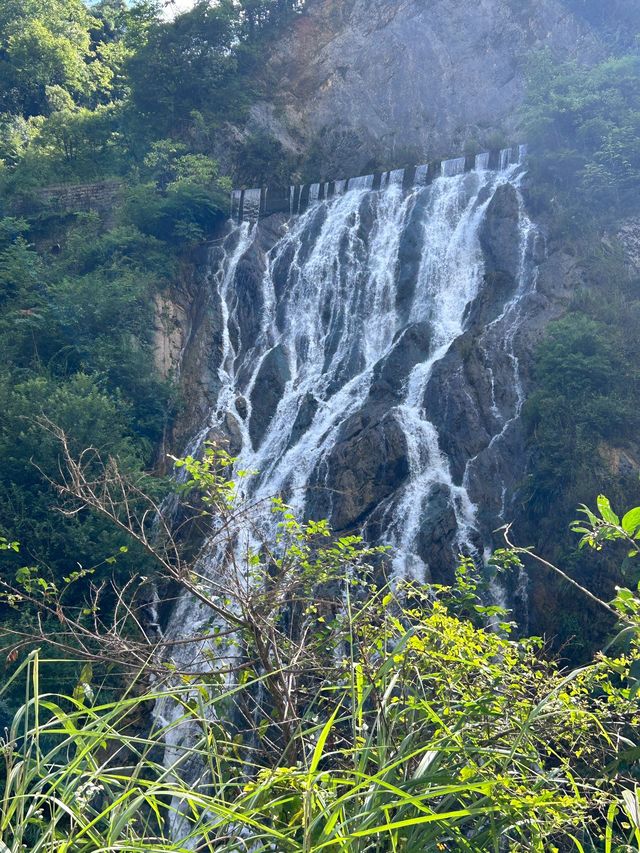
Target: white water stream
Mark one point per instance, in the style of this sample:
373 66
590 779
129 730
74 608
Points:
329 304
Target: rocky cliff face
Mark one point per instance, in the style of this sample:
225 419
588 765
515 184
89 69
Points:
360 83
370 359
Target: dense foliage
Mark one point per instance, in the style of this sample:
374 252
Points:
584 124
411 721
86 92
90 92
76 333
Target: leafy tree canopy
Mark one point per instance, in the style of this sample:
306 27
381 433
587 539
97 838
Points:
48 44
585 126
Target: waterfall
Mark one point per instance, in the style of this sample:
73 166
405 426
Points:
450 168
482 161
505 157
421 175
363 182
236 198
341 348
449 278
249 205
394 177
331 312
314 193
252 199
341 343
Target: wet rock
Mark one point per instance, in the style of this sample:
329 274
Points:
368 463
232 442
500 243
539 249
458 401
499 233
304 418
267 392
409 256
411 348
494 476
437 531
242 407
248 289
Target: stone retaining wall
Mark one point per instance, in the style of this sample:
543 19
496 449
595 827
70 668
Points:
100 197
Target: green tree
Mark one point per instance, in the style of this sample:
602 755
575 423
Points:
585 125
187 64
53 543
77 336
20 268
184 198
47 44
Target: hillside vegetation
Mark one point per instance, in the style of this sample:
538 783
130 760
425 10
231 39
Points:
325 709
89 94
377 718
582 418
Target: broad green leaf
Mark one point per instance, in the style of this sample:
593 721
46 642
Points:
604 508
319 750
579 846
611 816
439 817
631 521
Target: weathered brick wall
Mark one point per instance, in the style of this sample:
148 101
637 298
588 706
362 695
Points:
52 207
101 197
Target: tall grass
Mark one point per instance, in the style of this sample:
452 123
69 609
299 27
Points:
437 735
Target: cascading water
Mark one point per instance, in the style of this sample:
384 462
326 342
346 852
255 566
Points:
363 182
345 350
394 177
450 168
252 200
331 314
449 278
482 161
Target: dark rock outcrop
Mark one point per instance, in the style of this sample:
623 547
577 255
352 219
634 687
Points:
411 347
436 535
367 465
270 384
